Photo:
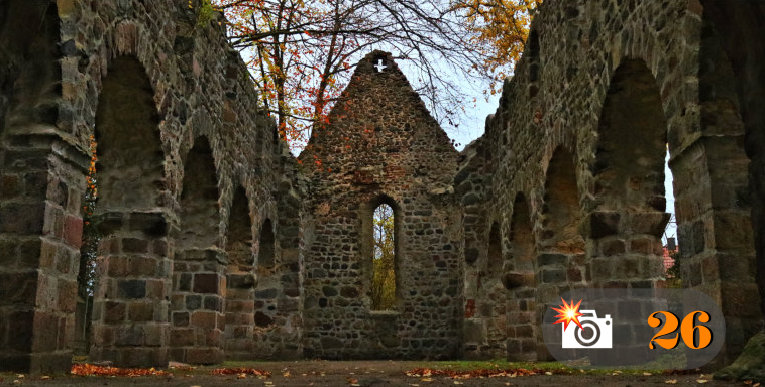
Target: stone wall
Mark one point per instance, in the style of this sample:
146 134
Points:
178 130
219 244
579 137
381 146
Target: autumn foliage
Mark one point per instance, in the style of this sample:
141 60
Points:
95 370
499 29
301 52
240 371
383 262
477 373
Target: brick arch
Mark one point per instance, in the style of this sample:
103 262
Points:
366 242
240 277
131 37
628 195
199 270
560 247
131 217
199 211
490 311
561 211
129 168
520 279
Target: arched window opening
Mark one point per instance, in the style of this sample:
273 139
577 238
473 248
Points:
669 239
240 278
521 281
562 214
199 199
266 246
383 258
494 259
121 211
632 142
629 221
199 275
522 251
239 242
269 282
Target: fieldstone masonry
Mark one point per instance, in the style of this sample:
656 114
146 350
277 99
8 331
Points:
381 146
219 244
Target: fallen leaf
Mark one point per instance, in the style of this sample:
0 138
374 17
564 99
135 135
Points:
671 381
426 380
95 370
478 373
647 374
701 381
240 370
44 377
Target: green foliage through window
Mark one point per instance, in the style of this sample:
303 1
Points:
383 259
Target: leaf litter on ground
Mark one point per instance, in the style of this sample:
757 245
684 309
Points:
478 373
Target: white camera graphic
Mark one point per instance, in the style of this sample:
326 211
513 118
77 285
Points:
596 332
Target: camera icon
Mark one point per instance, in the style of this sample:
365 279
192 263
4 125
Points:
596 332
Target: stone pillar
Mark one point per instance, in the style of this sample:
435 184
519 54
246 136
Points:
626 248
199 287
240 303
41 183
625 251
130 312
716 240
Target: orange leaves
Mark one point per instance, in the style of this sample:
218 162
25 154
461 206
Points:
478 373
240 371
500 28
94 370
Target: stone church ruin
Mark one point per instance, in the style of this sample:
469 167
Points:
219 244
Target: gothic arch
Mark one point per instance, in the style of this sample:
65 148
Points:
198 278
131 218
240 278
628 172
521 281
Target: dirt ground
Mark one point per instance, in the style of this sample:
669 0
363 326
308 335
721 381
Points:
363 373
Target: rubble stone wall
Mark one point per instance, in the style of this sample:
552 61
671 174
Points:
150 80
381 146
608 83
218 243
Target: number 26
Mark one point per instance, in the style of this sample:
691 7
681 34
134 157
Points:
688 330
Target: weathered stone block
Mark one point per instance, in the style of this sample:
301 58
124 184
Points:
603 224
650 223
131 289
206 283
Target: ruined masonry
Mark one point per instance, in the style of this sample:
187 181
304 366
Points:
219 244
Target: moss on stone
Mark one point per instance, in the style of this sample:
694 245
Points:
750 365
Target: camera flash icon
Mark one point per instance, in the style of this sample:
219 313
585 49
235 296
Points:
588 330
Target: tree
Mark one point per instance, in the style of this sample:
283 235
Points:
301 52
383 259
500 29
